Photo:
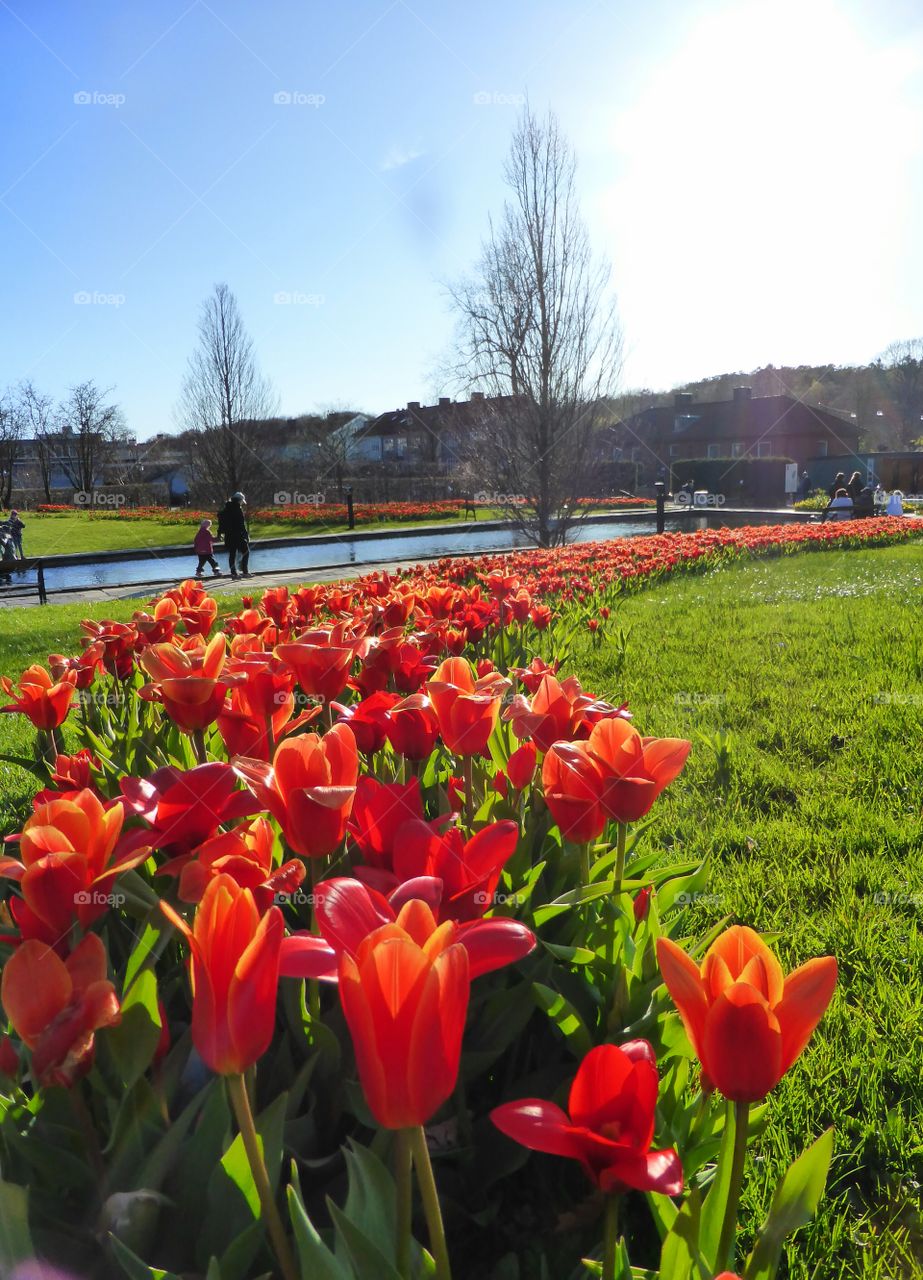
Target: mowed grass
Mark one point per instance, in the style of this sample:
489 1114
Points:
809 810
71 533
810 813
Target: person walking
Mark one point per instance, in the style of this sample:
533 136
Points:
7 553
16 529
232 529
204 546
805 485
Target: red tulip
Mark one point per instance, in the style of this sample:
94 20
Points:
610 1125
45 702
369 720
347 912
379 810
56 1006
412 727
321 661
309 788
183 807
244 854
466 709
572 785
747 1022
235 975
469 870
520 767
634 769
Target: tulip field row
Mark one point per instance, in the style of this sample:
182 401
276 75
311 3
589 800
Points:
344 938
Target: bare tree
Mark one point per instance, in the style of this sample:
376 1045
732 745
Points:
902 370
90 435
10 441
39 418
538 325
223 396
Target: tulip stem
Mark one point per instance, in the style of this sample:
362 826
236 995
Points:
468 767
403 1176
620 857
198 743
611 1238
585 864
430 1197
738 1113
240 1101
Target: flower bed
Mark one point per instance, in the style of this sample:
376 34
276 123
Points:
347 896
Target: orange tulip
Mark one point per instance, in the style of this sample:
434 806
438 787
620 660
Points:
572 785
309 788
321 661
466 708
634 769
747 1022
405 997
39 697
187 680
72 850
235 975
57 1005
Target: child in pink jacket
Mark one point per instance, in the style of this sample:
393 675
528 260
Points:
204 547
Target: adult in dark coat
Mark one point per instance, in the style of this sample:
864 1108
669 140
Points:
855 486
233 531
838 483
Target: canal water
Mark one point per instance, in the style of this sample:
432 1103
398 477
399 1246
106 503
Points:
349 553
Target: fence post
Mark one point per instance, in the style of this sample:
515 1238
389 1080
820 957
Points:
661 517
42 593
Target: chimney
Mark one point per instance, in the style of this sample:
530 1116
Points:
413 406
477 395
444 400
682 397
743 393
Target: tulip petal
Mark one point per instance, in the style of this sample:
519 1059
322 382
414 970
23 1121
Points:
808 991
660 1171
304 955
600 1077
742 1049
737 946
491 944
35 987
347 912
540 1126
684 983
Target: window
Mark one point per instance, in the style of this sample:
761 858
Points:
764 449
821 448
683 420
674 450
714 451
737 449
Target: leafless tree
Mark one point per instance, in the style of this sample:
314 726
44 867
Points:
10 441
39 418
537 323
90 437
223 397
902 368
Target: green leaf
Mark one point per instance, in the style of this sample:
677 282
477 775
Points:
717 1198
369 1263
15 1241
565 1017
372 1197
133 1042
679 1257
314 1258
233 1200
793 1205
132 1265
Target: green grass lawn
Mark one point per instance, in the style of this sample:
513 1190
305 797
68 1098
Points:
800 682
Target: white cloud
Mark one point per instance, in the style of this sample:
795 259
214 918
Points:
396 157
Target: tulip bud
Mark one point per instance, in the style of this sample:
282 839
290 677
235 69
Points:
642 904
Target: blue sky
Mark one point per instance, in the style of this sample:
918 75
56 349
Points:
751 169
